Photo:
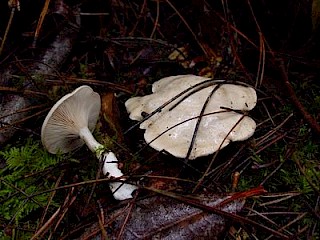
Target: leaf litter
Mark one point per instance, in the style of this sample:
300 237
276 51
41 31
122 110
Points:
161 217
132 67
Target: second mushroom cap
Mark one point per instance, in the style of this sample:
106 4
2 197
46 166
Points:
177 103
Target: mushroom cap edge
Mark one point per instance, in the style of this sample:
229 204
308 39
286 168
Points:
66 138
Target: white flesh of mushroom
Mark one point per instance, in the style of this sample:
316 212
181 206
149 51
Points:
68 126
172 129
120 190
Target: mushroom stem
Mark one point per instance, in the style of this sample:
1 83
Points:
119 190
86 135
110 165
67 127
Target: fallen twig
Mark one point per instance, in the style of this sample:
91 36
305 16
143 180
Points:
296 102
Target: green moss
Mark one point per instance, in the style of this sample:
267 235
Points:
28 170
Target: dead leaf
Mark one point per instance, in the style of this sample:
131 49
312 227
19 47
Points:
180 54
315 14
160 217
110 116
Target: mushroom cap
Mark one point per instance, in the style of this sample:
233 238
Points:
172 129
76 110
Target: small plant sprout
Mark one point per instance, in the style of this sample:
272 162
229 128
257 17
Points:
191 116
69 125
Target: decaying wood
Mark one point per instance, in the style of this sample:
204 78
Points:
44 65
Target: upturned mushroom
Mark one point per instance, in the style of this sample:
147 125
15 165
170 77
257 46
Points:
191 116
69 125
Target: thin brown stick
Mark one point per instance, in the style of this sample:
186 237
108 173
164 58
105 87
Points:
131 205
141 15
22 91
220 212
74 81
40 22
41 223
7 29
189 28
24 119
101 226
284 77
314 186
206 173
261 65
23 110
295 100
156 22
46 225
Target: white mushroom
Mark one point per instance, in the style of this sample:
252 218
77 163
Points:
68 126
174 110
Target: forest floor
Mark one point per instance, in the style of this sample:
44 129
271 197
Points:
264 187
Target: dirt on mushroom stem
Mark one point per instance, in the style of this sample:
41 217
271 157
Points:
69 125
